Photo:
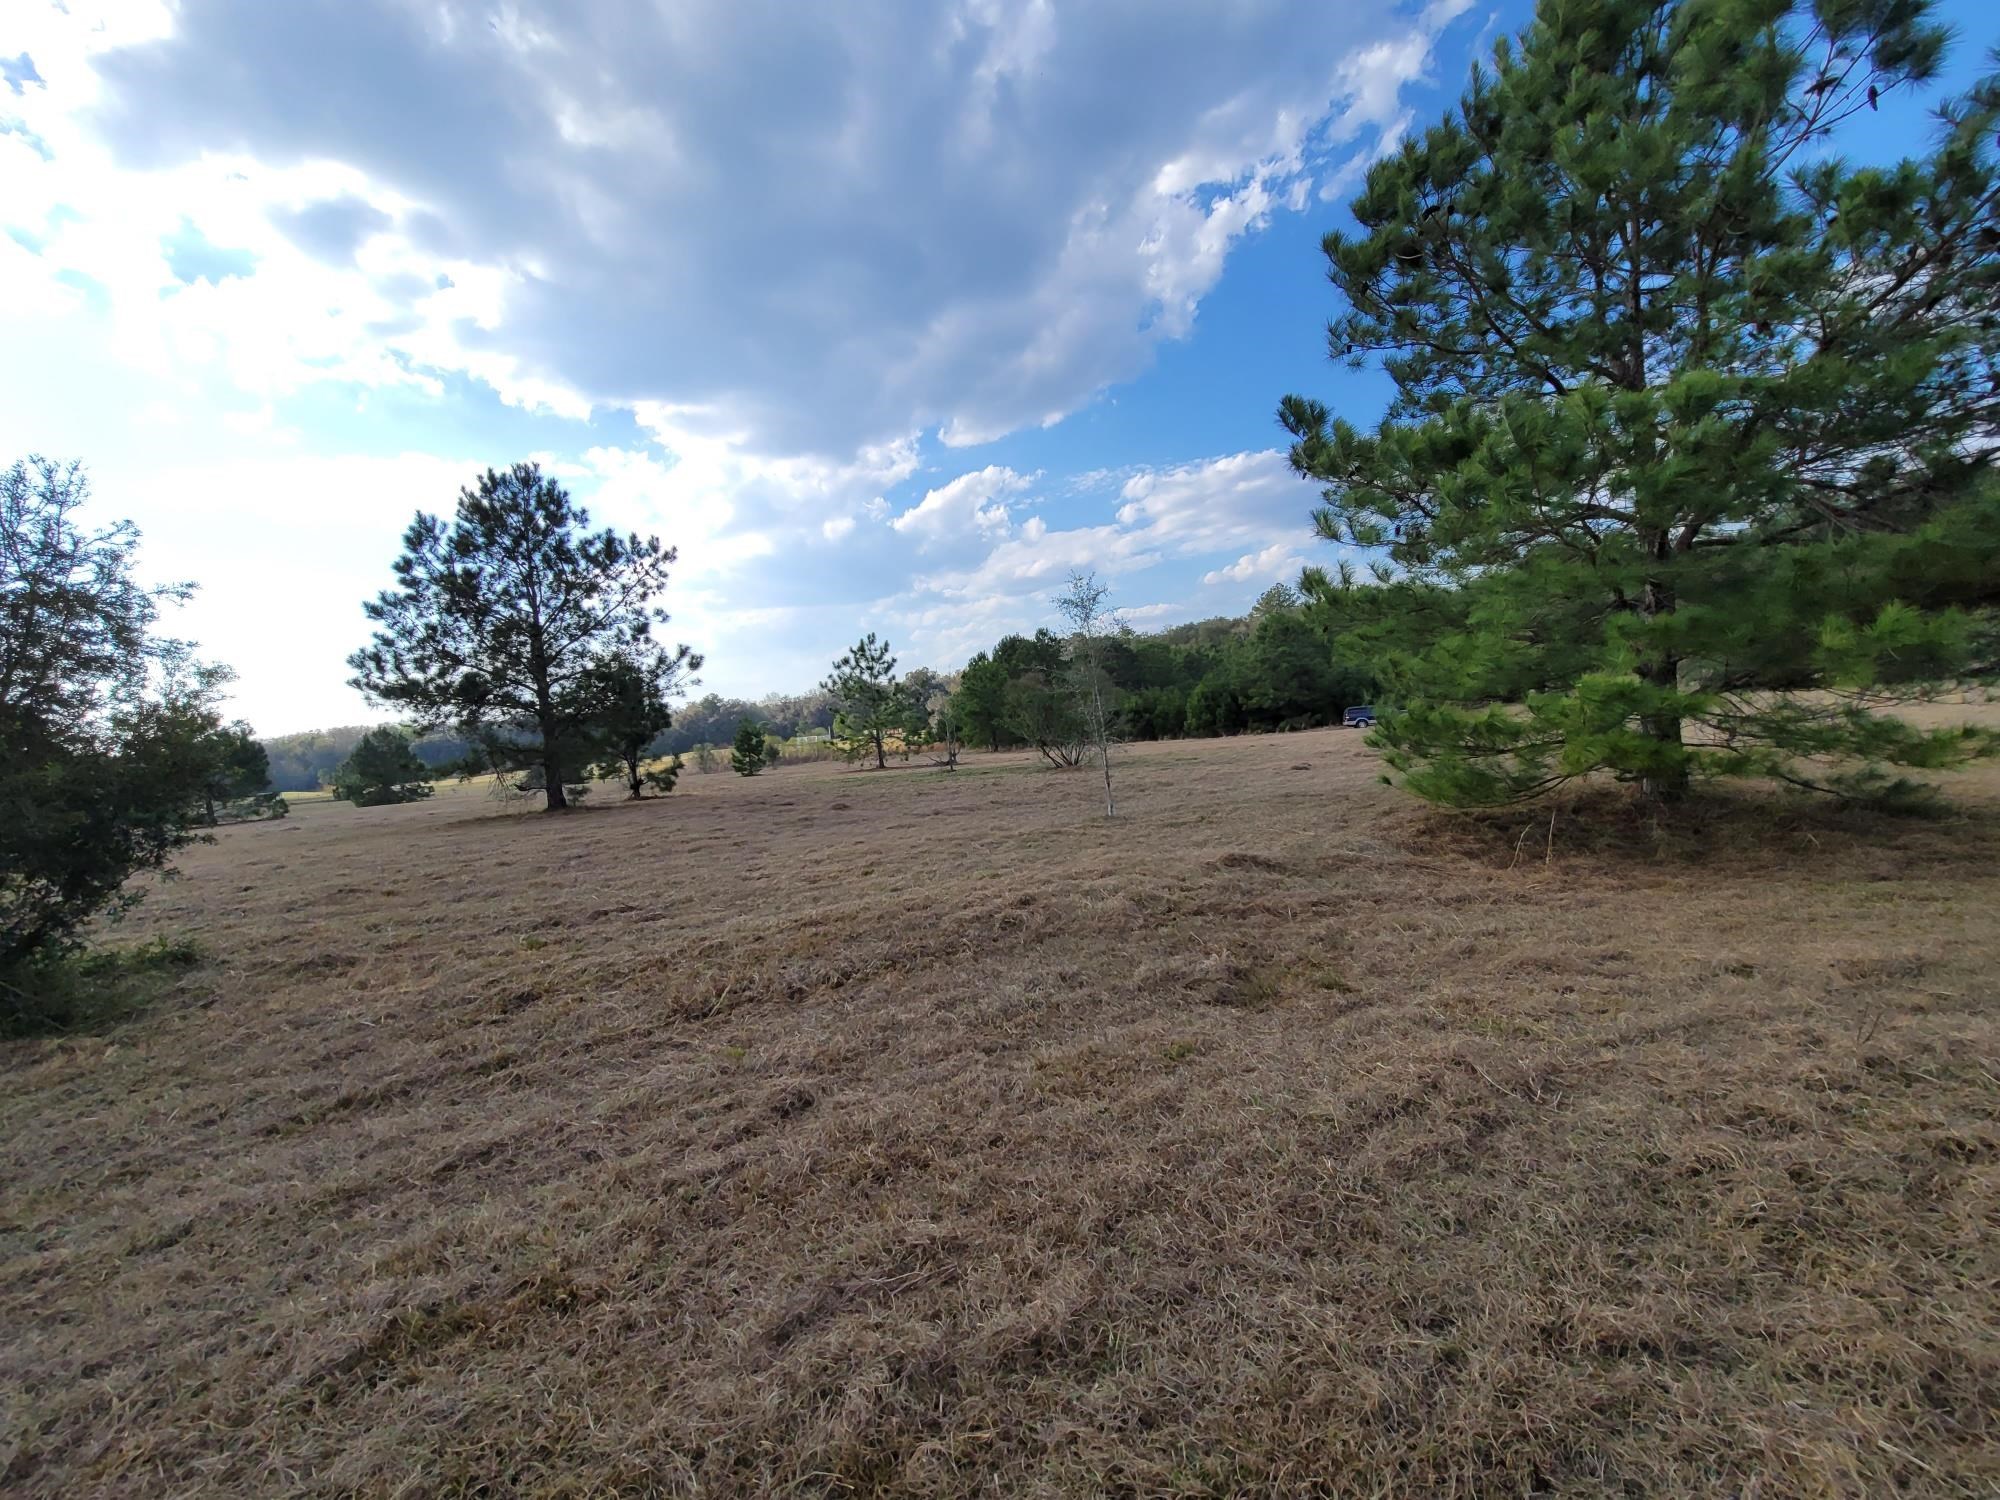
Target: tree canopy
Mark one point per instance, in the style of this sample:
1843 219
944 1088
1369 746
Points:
1674 390
238 767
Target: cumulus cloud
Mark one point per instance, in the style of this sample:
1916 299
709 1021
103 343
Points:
1274 561
1163 518
975 503
866 222
772 266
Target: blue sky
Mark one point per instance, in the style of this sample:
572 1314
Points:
886 315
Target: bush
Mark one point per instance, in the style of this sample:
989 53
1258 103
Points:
265 807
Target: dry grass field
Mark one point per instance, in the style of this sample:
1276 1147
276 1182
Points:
902 1134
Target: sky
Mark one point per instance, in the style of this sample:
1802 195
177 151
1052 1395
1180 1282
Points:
887 316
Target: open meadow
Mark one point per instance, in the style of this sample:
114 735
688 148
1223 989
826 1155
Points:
904 1133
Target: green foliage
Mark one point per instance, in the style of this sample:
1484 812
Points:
662 778
627 711
981 698
70 992
1155 713
1285 666
747 753
500 623
1044 711
109 733
238 768
305 762
1684 405
382 770
264 807
982 701
1276 599
712 718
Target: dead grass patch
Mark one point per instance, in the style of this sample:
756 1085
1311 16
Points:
1276 1138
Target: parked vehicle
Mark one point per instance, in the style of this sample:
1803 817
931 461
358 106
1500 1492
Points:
1358 718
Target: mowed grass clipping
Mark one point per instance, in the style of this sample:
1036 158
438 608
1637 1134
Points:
910 1134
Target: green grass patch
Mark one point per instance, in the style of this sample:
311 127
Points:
91 990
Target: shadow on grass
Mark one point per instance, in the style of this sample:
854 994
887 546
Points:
1722 828
90 991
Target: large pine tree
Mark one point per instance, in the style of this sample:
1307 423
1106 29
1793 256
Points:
1686 404
499 619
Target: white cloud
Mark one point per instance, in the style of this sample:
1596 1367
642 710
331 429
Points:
1274 561
1242 499
787 253
1235 500
869 222
1166 517
975 503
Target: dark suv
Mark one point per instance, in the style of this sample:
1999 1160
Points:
1358 718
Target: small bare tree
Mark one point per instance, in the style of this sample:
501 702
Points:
944 721
1082 605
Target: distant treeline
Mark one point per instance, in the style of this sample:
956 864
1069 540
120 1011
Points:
712 720
306 762
1275 668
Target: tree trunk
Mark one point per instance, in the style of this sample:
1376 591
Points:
210 799
552 779
1103 726
881 755
1662 671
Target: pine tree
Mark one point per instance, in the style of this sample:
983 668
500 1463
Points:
498 619
109 730
1675 389
746 754
382 770
627 694
872 703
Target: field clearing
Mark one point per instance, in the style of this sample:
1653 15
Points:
843 1132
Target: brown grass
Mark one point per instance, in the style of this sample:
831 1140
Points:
865 1133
